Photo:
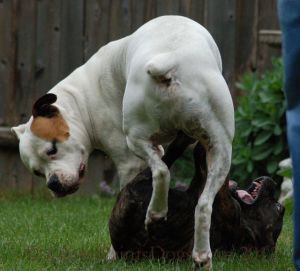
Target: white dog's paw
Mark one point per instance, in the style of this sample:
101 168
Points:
112 255
202 260
153 216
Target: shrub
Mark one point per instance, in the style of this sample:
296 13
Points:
260 138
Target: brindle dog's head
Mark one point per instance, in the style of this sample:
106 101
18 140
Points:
50 146
237 223
260 215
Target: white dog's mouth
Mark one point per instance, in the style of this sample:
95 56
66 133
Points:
60 189
81 171
63 193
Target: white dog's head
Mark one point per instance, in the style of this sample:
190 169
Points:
49 148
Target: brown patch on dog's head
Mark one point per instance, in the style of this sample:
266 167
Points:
47 122
51 129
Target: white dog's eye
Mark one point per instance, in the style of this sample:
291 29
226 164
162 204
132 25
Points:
53 150
38 173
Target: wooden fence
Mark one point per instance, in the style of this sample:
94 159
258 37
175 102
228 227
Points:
42 41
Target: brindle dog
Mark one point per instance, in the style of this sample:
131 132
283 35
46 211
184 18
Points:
241 220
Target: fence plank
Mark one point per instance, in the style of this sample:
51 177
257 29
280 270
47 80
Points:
71 37
13 174
47 72
25 61
5 32
167 7
194 9
268 19
137 12
97 22
246 37
8 54
150 10
7 138
221 18
120 20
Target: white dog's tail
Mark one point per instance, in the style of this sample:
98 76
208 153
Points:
160 68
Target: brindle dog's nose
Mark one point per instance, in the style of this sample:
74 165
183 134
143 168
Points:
54 184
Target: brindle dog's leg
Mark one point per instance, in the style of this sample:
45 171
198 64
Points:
158 205
198 182
176 148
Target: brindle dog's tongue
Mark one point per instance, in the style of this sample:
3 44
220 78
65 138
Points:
245 196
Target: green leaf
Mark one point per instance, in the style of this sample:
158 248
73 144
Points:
246 132
262 137
272 166
250 167
259 123
238 161
278 148
265 97
277 130
286 172
261 153
241 111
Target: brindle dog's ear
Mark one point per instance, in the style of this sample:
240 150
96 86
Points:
43 106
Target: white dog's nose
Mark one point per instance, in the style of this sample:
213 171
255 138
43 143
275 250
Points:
54 184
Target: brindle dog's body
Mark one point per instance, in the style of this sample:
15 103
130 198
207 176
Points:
235 224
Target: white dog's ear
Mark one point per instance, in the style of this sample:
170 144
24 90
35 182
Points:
18 130
43 106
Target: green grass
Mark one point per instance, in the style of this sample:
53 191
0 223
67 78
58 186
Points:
41 233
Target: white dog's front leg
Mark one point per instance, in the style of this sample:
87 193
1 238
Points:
158 206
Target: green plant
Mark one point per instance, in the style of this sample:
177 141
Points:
285 172
183 168
260 139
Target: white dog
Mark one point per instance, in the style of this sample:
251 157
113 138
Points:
133 95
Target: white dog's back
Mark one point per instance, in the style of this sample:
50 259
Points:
180 51
171 34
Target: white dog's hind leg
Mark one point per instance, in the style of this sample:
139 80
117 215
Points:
158 206
218 164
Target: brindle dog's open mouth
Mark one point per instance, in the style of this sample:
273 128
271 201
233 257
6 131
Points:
258 188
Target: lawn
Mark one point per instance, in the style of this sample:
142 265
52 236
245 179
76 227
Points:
42 233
